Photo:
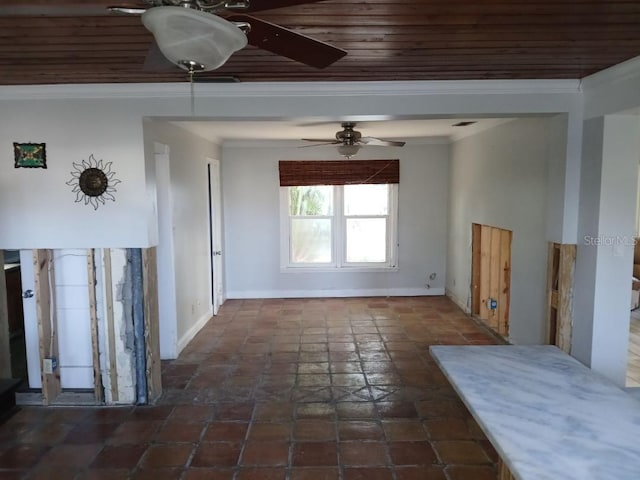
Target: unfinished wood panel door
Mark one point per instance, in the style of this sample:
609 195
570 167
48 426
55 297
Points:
47 321
561 263
491 276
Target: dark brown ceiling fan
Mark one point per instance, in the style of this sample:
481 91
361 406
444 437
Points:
200 35
350 141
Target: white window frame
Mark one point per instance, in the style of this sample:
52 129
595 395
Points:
339 237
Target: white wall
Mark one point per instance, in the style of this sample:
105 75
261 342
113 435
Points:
605 248
499 178
190 219
37 208
250 184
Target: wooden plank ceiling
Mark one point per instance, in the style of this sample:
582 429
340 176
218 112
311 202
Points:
76 41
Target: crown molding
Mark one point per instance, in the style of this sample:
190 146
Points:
287 89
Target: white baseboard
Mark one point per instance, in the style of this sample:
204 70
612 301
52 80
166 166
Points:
195 328
366 292
458 301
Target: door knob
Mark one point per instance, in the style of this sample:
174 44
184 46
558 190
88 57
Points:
27 294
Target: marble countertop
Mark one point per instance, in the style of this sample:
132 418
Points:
548 416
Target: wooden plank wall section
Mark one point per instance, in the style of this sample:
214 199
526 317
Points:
485 268
111 334
47 323
494 276
561 264
504 298
151 322
93 313
551 301
491 276
5 344
476 230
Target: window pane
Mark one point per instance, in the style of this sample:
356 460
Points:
366 199
314 200
310 240
366 240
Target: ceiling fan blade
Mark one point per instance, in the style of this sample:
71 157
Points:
320 140
380 143
259 5
319 144
127 9
285 42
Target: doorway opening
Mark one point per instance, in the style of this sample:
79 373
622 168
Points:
491 276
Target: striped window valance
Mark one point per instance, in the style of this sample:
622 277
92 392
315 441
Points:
294 173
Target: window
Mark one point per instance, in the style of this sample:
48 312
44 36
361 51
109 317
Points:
339 227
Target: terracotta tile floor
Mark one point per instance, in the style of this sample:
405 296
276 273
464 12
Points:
317 389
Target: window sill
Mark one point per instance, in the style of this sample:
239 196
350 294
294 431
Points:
338 269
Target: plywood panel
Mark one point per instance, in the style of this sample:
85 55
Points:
565 296
560 281
476 230
151 323
47 322
108 300
551 319
93 314
491 275
485 271
494 276
505 282
5 351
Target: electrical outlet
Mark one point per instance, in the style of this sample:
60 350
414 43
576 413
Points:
49 365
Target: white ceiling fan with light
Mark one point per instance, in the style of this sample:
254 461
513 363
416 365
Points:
350 141
201 35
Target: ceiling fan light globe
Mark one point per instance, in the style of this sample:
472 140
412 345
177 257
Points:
185 35
349 150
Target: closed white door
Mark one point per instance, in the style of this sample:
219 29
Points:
215 235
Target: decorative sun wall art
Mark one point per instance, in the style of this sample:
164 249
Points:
30 155
93 182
